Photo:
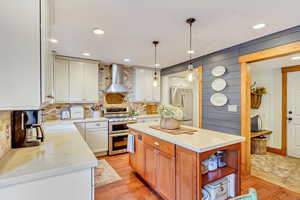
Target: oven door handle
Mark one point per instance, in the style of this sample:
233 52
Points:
120 134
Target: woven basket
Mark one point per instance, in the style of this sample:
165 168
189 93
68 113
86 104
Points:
259 146
169 123
255 101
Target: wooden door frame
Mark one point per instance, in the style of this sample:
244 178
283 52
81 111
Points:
245 60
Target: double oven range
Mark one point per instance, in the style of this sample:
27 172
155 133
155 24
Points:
118 119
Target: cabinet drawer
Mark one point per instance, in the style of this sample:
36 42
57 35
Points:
163 146
94 125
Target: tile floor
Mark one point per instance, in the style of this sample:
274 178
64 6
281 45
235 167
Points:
277 169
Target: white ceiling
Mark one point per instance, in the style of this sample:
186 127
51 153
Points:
131 25
275 63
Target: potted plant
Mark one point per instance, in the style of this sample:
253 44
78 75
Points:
170 116
256 96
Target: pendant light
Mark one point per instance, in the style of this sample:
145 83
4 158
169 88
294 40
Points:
190 21
155 81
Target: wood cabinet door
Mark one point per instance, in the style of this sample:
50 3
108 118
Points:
91 82
61 80
166 176
133 155
140 156
151 161
76 81
186 174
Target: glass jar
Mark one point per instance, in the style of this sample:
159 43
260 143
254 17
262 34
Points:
221 158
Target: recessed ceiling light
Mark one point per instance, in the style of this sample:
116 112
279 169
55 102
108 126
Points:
54 41
157 65
86 54
98 31
258 26
190 51
126 59
296 58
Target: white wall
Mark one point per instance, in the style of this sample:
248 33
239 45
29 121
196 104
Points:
270 109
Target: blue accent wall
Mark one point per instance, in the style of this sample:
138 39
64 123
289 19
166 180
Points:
218 118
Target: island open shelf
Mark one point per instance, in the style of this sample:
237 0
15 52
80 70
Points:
233 162
220 173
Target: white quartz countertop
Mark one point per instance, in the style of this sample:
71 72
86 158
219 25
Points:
201 141
147 116
63 151
68 121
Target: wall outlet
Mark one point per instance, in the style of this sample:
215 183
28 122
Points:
232 108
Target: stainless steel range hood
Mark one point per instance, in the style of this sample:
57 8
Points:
117 80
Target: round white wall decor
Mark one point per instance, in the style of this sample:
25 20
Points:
218 99
218 71
219 84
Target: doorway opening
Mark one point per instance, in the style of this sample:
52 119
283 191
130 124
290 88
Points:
182 91
268 71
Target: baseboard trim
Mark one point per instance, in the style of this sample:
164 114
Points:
277 151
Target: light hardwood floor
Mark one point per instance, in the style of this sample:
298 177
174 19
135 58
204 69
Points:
132 188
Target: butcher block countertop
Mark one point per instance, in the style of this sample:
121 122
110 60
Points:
200 141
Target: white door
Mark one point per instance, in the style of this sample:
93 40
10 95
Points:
91 82
61 80
76 81
293 109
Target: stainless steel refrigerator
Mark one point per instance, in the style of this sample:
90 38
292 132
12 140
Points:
183 97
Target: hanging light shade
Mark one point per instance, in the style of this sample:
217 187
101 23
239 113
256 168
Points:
155 81
190 21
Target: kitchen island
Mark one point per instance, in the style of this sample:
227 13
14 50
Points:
171 163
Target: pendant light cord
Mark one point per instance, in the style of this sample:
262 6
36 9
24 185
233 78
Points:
155 58
190 50
190 21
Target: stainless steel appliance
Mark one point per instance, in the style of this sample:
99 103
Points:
118 134
23 125
118 119
116 111
117 80
183 97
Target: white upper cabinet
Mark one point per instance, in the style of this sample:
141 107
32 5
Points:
144 89
46 53
75 81
20 60
61 80
91 82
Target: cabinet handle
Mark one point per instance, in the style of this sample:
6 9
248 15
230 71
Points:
156 143
50 97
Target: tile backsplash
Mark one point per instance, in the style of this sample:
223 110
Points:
5 132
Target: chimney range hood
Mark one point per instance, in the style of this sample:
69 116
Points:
117 81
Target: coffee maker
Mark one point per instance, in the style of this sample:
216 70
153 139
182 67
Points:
24 123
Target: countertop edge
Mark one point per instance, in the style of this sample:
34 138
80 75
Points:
187 146
7 182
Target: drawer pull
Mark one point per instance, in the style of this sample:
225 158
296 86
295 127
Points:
156 143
